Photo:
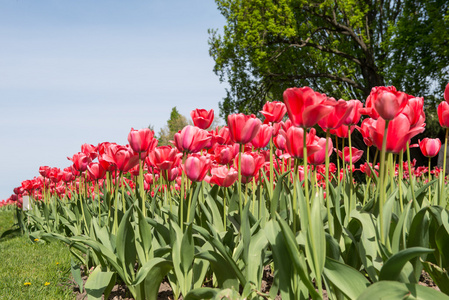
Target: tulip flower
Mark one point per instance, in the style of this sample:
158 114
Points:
43 170
243 128
96 171
224 154
124 158
414 110
443 114
319 157
398 134
165 157
251 163
363 129
280 140
356 155
171 174
262 138
221 135
295 145
80 161
89 150
342 131
196 167
142 141
191 139
354 115
305 107
202 118
223 176
430 147
274 111
340 111
388 102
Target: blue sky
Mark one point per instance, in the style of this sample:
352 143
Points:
75 72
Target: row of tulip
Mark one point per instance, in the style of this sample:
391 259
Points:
222 204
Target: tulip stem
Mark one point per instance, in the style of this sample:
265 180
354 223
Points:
330 218
181 215
338 161
271 167
411 178
430 178
306 176
240 178
295 200
442 200
225 192
400 175
189 205
351 178
382 182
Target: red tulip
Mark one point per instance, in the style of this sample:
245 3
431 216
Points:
280 140
251 163
165 157
273 111
386 101
96 171
43 170
223 176
443 114
80 161
222 135
89 150
142 141
354 107
295 146
306 107
363 129
398 134
262 138
340 111
356 155
446 93
414 110
243 128
171 174
430 147
202 118
191 139
196 167
342 131
224 154
319 157
122 157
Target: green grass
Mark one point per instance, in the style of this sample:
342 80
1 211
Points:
45 266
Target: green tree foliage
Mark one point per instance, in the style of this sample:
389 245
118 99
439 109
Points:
174 124
340 47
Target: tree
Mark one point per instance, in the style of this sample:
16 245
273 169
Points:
340 47
174 124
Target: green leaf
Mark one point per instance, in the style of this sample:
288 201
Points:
346 279
151 275
283 269
393 266
76 273
126 250
295 256
439 276
143 240
392 290
98 282
226 276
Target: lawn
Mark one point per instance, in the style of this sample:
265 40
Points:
32 269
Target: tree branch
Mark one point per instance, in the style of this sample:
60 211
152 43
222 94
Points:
322 75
